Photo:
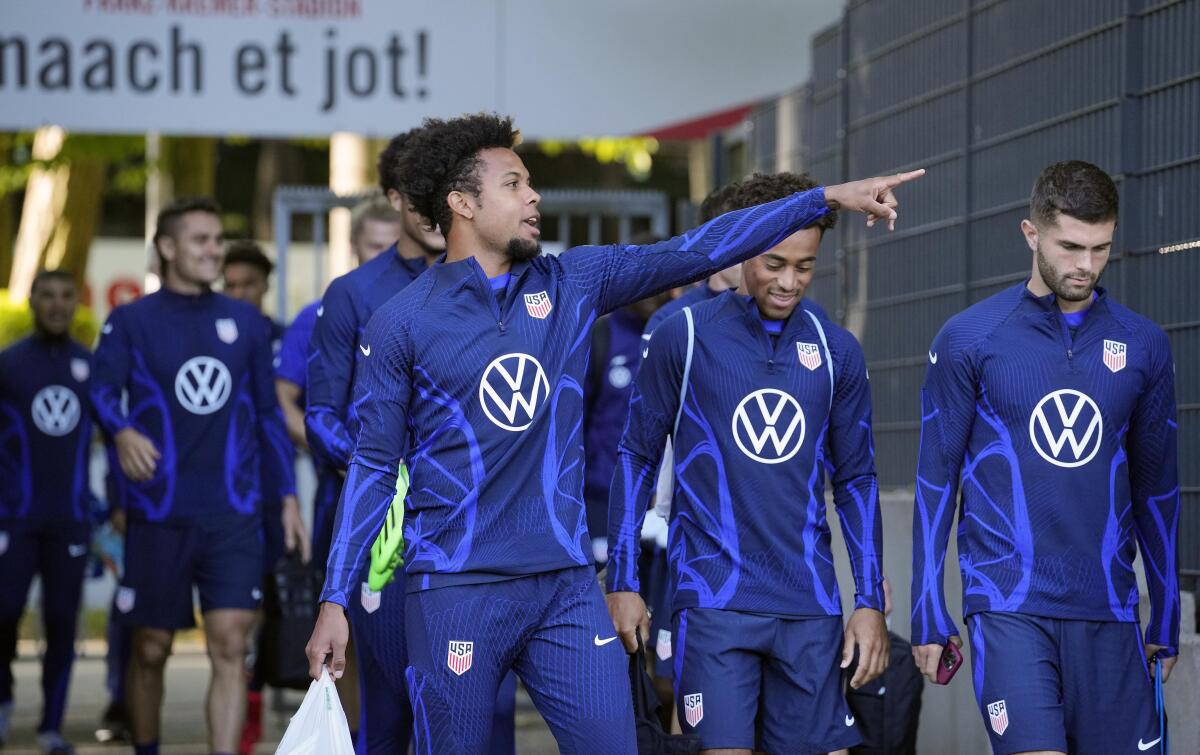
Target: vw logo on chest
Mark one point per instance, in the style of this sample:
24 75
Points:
203 385
1066 428
768 426
511 389
55 410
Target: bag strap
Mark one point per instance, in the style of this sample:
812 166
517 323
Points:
828 356
687 366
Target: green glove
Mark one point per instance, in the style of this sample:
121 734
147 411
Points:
387 552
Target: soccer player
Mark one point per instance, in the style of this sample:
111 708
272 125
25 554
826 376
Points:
473 375
201 412
657 590
757 395
45 439
384 720
1053 408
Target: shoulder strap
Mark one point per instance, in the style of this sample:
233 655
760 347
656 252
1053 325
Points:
687 366
825 346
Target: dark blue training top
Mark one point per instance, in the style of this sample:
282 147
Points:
342 316
1064 448
292 362
748 530
485 401
45 431
197 373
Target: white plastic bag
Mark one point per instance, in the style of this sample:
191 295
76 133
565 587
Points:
319 726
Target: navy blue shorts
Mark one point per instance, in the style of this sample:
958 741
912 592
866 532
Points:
758 682
1062 684
553 629
221 556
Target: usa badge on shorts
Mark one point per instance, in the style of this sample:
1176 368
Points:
125 599
693 708
80 369
810 355
998 713
458 657
1114 355
227 329
370 599
538 305
662 647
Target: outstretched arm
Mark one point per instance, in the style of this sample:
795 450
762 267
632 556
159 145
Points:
621 274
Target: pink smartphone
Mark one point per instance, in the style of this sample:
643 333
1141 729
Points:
948 664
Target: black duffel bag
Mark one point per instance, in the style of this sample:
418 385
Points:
289 614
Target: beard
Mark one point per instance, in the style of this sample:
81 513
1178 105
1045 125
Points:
520 250
1063 288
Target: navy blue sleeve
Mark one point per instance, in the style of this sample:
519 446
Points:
947 412
293 352
652 410
381 391
272 431
618 275
110 373
855 488
1154 487
330 368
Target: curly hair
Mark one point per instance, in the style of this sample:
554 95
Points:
442 156
761 188
1075 188
717 202
388 166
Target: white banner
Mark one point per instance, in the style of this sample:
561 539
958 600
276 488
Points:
563 68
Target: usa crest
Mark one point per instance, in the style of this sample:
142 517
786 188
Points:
998 713
125 599
227 329
662 647
693 708
3 543
810 354
538 305
458 656
370 599
80 370
1114 355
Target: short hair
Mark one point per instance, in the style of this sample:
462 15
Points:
247 252
1075 188
45 276
715 204
761 188
375 209
169 216
442 156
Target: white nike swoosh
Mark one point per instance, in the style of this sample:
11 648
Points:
1143 746
599 642
76 550
320 310
849 720
933 357
365 351
107 328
